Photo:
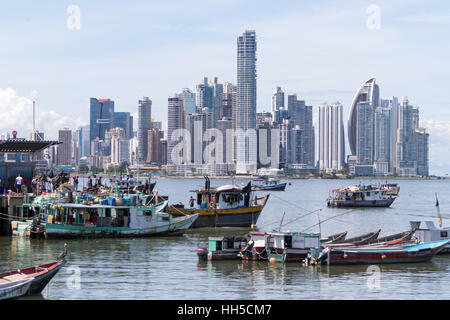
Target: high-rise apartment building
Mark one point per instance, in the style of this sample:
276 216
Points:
246 157
101 117
64 152
144 124
175 120
331 137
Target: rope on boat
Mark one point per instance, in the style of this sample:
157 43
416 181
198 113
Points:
341 214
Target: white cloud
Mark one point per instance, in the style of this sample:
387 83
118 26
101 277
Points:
439 141
16 114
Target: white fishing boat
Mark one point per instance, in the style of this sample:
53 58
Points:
430 233
14 288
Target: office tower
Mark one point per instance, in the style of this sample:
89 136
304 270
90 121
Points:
144 124
175 120
189 102
277 104
263 119
205 96
422 137
246 157
228 108
368 92
225 126
331 137
406 145
124 120
218 97
85 142
64 152
364 133
285 128
415 117
155 148
393 105
196 125
382 140
101 117
118 154
301 115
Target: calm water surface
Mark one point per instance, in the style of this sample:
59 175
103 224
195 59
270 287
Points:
168 268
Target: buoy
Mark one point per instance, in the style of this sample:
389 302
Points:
383 256
345 255
252 226
272 260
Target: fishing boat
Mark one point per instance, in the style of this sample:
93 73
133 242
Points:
40 275
222 248
291 246
431 233
267 184
225 206
393 238
360 196
13 289
100 220
420 252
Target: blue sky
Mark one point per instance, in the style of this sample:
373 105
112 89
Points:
320 50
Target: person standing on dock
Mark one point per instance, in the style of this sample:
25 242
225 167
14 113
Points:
191 202
19 180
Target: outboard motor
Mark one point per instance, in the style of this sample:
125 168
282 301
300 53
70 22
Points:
202 254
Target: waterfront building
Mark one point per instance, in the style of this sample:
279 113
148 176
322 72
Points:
175 120
277 104
155 148
331 137
64 152
205 96
422 137
144 124
85 142
369 93
406 145
364 133
246 157
120 146
382 140
196 125
101 117
225 126
228 108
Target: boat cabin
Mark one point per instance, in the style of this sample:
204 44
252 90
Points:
293 240
224 197
431 233
226 243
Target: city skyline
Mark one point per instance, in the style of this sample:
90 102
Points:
313 91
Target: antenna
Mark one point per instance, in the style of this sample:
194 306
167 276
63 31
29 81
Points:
33 126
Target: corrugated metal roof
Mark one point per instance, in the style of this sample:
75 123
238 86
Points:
24 146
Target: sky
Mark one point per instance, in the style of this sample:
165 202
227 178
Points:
61 53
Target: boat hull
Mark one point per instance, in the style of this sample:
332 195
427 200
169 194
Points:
278 187
239 217
288 255
63 231
15 289
384 203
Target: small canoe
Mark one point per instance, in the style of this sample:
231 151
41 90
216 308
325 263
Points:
357 241
394 238
13 289
421 252
334 238
41 275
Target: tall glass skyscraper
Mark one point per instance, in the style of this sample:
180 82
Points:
101 118
246 157
144 124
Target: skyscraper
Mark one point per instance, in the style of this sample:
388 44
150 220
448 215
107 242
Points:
421 137
277 104
364 133
406 144
144 124
188 101
331 137
101 117
64 156
382 140
368 92
175 120
124 120
246 158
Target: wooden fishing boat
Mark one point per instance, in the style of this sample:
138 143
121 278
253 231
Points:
40 275
290 246
334 238
421 252
360 196
393 239
225 206
356 241
222 248
392 189
72 220
13 289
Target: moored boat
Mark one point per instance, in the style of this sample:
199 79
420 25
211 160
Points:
392 189
356 241
360 196
255 248
13 289
267 184
334 238
431 233
420 252
222 248
40 275
291 246
225 206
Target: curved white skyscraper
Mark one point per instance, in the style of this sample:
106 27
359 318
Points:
369 93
